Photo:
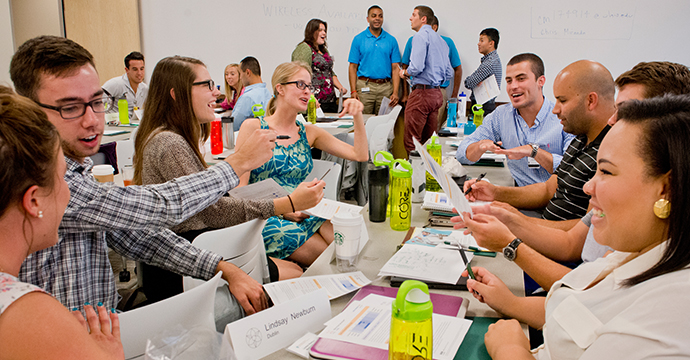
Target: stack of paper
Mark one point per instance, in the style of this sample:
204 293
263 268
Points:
441 264
336 285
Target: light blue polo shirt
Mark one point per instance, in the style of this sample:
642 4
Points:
452 55
374 55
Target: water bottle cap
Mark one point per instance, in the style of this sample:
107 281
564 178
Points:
477 109
383 158
401 168
413 302
434 144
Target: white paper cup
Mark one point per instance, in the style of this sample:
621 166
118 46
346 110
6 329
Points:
103 173
347 229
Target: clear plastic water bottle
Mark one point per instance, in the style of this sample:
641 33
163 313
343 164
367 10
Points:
400 192
434 149
411 325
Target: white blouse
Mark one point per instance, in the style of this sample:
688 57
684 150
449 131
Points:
610 321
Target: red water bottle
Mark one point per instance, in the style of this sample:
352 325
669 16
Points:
216 137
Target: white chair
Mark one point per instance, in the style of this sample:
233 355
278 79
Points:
241 245
189 309
379 130
332 179
125 153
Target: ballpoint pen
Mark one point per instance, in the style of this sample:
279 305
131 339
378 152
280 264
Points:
283 137
478 180
499 145
467 264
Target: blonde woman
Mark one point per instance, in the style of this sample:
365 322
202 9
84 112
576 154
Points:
295 236
233 86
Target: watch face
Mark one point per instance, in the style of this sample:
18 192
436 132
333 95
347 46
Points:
509 253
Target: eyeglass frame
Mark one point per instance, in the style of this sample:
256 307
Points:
84 104
303 87
211 84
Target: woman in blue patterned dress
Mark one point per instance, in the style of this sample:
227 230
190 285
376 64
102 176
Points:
296 236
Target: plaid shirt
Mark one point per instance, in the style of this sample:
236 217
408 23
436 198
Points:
491 64
133 221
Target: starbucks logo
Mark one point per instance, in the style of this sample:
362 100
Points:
338 238
253 338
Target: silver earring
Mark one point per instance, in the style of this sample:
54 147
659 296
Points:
40 214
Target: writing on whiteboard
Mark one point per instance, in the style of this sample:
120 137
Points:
591 23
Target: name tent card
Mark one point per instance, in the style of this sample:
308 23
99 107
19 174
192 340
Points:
276 328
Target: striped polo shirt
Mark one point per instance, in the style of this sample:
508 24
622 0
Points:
578 165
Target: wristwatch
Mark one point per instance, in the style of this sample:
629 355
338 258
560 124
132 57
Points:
535 148
510 251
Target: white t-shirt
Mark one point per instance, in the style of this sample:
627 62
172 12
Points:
592 250
609 321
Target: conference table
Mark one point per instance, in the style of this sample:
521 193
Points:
382 245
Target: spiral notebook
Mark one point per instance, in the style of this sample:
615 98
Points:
437 201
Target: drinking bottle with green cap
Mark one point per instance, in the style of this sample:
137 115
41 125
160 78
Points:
311 109
123 110
384 158
258 110
411 325
478 114
434 149
400 191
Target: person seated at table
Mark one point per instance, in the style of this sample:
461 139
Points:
631 303
233 86
178 121
543 244
33 325
297 237
313 51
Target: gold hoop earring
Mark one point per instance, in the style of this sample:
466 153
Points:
662 208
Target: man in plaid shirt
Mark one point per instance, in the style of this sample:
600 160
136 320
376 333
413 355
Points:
60 76
491 64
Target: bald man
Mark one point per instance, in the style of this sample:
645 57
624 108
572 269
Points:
584 93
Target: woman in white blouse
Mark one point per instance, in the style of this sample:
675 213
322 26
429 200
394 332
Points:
631 304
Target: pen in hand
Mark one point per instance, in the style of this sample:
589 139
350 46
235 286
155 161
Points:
282 137
499 145
478 180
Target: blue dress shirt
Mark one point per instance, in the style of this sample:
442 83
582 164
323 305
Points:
505 124
375 55
453 55
429 63
253 94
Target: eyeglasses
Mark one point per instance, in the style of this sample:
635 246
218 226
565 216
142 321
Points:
75 110
211 85
300 85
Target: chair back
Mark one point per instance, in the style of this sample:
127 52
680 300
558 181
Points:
189 309
332 179
380 129
125 153
241 245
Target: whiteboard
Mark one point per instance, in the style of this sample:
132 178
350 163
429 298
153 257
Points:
619 34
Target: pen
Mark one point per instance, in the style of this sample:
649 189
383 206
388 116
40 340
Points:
467 264
477 251
478 180
282 137
327 171
499 145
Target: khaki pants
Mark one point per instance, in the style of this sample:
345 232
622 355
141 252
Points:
372 99
442 111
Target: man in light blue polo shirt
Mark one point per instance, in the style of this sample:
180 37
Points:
374 57
526 126
455 62
429 68
255 91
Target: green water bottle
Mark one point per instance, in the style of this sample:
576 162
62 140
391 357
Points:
400 192
123 110
434 149
384 158
478 114
258 110
411 325
311 109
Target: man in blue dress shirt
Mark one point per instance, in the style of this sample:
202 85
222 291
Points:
455 62
374 57
255 91
429 68
491 64
526 127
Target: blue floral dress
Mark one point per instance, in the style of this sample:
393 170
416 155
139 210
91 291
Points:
289 166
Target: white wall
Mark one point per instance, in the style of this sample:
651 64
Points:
6 42
220 32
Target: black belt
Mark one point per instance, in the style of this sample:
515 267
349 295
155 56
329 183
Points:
422 86
375 81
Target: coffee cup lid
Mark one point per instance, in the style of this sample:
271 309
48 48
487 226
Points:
101 170
347 218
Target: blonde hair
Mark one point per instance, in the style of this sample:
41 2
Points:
229 90
282 74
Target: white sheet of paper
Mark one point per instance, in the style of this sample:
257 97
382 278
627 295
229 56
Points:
425 263
486 90
385 106
138 115
260 334
326 208
449 186
336 285
264 189
367 322
333 124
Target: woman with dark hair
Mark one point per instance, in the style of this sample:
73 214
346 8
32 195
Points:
631 304
33 198
179 109
314 52
297 237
